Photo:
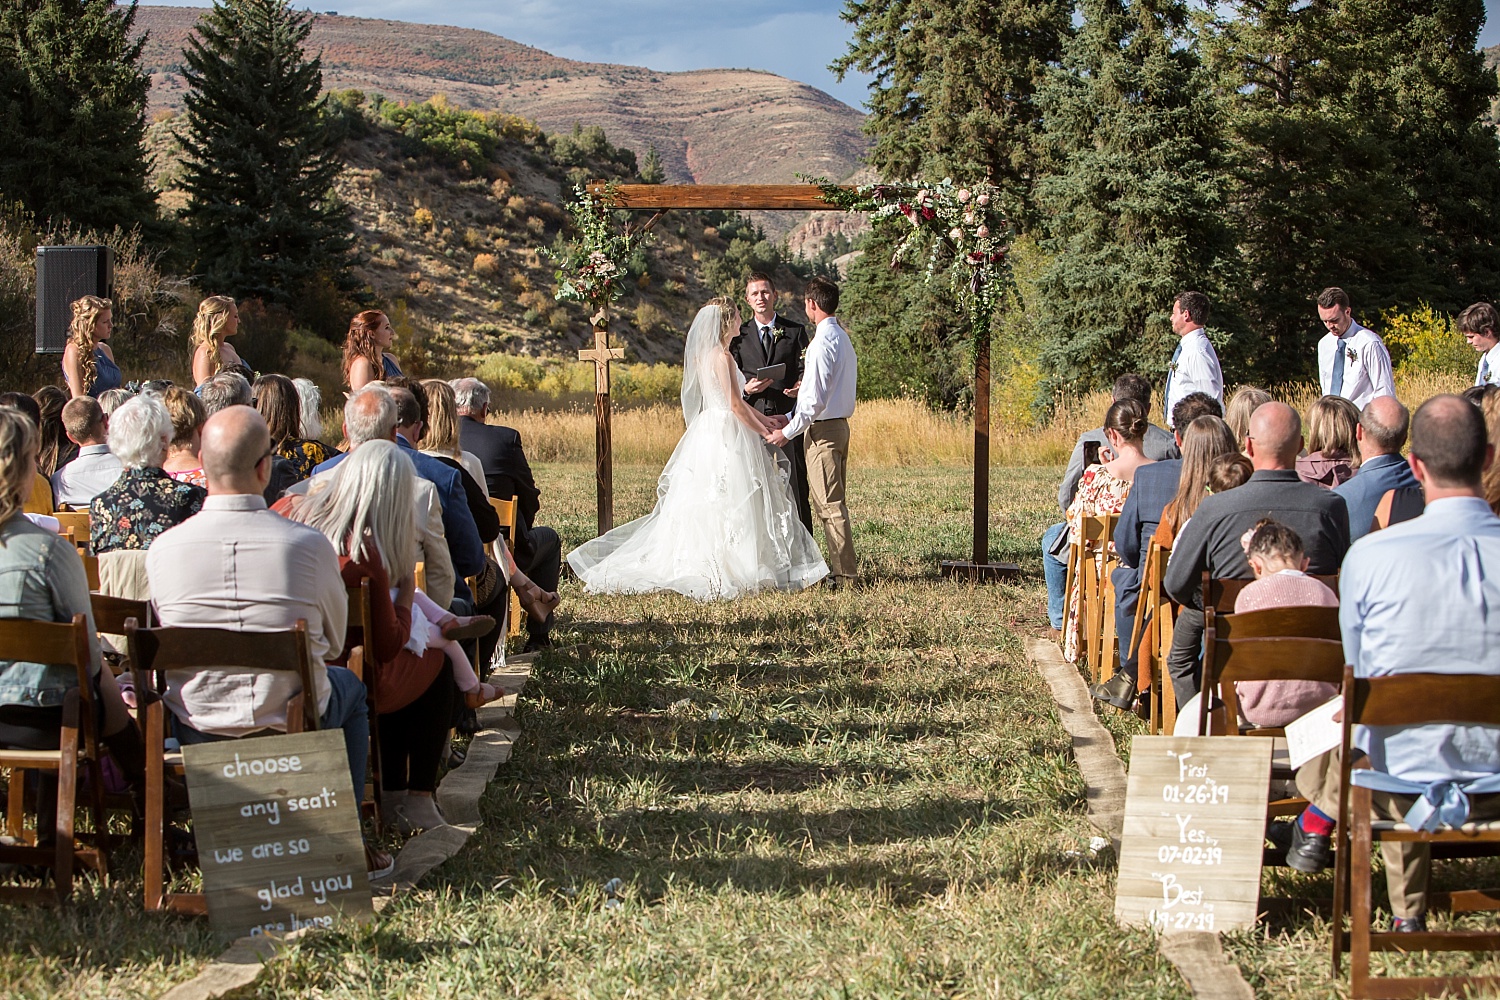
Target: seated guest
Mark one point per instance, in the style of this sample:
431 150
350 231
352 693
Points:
1155 485
95 469
1381 434
238 566
230 388
465 550
112 399
55 450
45 582
1281 581
1422 596
1157 444
188 414
366 512
1103 490
440 431
277 400
40 500
1245 401
1211 543
144 501
538 549
1332 426
1227 473
309 402
370 415
486 521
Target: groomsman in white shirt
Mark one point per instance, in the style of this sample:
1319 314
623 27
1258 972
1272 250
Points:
1480 325
824 404
1352 359
1195 364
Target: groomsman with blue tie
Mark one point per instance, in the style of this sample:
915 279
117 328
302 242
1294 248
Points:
1352 359
1195 364
1480 325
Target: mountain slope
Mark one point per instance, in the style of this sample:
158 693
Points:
709 126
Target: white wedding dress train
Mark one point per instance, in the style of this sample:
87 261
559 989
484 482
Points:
725 524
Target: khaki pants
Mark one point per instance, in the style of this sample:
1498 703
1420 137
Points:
1408 866
827 458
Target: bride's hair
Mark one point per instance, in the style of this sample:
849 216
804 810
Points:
728 310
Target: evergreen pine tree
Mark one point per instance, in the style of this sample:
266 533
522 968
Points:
652 171
260 157
954 87
1135 207
72 113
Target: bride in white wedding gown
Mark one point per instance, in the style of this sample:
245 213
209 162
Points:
725 523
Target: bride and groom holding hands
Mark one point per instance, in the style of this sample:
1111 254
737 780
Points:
767 411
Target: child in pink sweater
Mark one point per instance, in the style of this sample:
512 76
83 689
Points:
1281 581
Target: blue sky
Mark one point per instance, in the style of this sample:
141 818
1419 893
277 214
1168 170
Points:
795 38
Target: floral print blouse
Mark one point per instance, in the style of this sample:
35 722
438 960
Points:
139 506
304 454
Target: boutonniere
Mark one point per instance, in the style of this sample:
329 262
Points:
777 334
1349 351
1172 367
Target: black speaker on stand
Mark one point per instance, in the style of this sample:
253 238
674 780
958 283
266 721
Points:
64 274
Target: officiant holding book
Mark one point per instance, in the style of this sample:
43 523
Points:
769 351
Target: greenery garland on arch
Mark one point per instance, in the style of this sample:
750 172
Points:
593 267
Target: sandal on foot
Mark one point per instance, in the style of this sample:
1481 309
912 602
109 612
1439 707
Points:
378 863
483 695
538 603
471 627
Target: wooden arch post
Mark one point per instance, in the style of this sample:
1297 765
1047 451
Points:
804 198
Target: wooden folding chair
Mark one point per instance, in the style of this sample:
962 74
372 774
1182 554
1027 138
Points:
1406 700
509 513
364 666
1153 616
61 644
1096 595
78 522
155 651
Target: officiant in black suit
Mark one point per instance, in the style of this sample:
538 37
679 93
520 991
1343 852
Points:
767 339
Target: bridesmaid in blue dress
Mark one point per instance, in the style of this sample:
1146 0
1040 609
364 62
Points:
88 364
218 319
365 356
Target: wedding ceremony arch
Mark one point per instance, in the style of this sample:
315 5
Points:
661 198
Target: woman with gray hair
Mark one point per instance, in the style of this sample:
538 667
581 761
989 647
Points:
366 512
309 401
144 501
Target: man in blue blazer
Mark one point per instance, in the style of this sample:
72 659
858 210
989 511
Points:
1154 487
1381 434
462 534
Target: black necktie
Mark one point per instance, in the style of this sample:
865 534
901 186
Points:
765 341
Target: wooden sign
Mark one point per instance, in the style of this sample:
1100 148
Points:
277 826
1195 823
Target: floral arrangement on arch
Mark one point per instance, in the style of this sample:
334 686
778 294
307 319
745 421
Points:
593 268
953 228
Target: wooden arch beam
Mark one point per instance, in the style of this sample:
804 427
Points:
741 197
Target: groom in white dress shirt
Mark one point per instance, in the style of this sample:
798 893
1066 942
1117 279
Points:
825 402
1480 325
1195 363
1352 359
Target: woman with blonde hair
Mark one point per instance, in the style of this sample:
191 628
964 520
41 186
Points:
1245 401
88 363
218 319
1332 447
188 414
365 356
278 401
440 436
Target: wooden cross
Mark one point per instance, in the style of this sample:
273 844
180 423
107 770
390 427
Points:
601 356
